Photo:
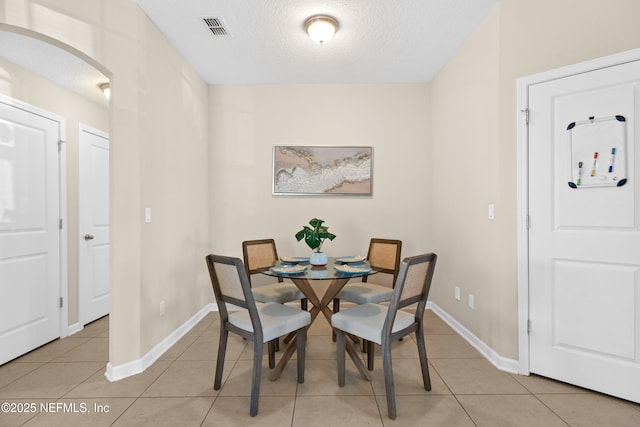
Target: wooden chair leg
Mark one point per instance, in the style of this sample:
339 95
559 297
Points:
255 379
422 355
222 349
301 341
341 349
336 308
271 350
371 349
276 344
388 379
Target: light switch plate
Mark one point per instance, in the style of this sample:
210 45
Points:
147 215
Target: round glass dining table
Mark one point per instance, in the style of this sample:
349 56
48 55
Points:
338 271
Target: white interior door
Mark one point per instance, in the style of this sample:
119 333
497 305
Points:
584 242
30 235
93 274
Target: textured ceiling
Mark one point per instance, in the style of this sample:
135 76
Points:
379 41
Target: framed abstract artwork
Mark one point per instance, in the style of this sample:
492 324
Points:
322 170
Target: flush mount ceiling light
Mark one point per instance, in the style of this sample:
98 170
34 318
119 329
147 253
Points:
104 87
321 28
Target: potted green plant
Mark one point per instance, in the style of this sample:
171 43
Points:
314 237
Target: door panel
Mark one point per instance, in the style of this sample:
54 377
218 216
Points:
586 327
29 231
94 224
584 261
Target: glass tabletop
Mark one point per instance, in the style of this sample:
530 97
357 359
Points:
333 270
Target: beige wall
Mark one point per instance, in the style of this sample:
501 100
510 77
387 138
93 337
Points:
478 86
466 174
247 121
23 85
442 152
159 151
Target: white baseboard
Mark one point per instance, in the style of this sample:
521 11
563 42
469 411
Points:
74 329
502 363
115 373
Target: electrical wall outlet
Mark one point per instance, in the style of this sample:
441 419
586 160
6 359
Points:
471 301
457 293
161 308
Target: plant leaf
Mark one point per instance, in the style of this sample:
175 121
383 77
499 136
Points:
314 237
313 241
316 223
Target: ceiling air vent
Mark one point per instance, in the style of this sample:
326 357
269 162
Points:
216 25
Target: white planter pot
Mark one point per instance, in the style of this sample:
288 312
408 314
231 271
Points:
318 258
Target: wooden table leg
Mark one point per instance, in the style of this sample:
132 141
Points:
312 297
283 360
335 287
357 361
318 307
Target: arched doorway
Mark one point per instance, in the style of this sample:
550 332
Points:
38 71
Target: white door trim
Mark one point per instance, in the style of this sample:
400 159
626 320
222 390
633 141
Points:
62 159
523 180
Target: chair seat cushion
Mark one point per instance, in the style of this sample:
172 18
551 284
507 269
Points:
362 293
277 320
366 321
277 292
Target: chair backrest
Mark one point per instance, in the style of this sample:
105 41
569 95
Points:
259 255
412 286
231 286
384 256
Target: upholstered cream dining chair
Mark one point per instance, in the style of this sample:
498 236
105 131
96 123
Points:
260 324
384 256
383 324
260 255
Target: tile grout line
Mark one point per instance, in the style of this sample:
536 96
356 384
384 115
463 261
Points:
549 408
455 396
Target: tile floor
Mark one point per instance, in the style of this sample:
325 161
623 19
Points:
63 384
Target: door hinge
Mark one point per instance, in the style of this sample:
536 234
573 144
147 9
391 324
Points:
526 115
60 142
529 326
527 222
60 224
61 302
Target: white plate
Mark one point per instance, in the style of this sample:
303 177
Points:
351 259
348 269
294 259
289 269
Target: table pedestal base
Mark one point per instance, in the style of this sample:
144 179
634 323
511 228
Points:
319 306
